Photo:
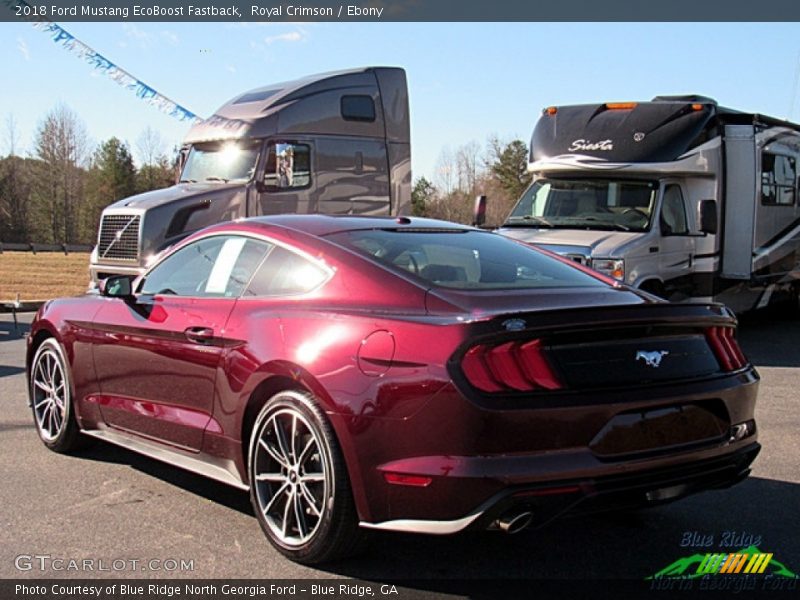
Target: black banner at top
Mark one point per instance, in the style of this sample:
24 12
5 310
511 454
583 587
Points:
378 11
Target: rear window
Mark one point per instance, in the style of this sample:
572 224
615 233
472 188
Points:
464 259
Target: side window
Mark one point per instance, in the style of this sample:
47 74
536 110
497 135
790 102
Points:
673 212
778 179
358 108
288 166
283 273
216 267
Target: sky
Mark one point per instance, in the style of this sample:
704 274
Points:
466 81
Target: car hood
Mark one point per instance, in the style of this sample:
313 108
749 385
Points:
180 191
565 241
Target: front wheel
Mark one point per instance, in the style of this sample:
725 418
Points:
299 485
51 399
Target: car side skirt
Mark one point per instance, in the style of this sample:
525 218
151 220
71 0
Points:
201 464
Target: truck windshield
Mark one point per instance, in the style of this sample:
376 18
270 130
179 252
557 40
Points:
586 204
221 161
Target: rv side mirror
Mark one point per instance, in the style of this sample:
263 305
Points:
479 213
116 286
707 209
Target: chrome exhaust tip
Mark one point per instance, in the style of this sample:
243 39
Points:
514 522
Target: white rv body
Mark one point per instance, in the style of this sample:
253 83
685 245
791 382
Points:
743 167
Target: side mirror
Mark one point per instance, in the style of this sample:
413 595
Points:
707 211
479 212
116 286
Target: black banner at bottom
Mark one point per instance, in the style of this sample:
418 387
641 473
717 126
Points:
352 589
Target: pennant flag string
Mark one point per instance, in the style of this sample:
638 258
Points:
100 63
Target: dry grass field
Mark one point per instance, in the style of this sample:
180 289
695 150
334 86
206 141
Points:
42 276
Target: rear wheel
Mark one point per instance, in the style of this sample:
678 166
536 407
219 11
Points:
51 399
300 489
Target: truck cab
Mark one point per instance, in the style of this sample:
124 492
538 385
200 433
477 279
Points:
642 231
334 143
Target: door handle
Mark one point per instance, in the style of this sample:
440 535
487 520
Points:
199 335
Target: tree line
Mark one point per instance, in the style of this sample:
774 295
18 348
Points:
498 171
56 192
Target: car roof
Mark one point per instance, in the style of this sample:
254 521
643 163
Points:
321 225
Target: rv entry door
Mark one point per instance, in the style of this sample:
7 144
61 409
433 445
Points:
676 244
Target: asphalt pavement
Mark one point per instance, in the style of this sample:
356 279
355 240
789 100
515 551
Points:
107 504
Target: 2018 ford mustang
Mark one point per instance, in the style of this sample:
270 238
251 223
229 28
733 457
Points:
397 374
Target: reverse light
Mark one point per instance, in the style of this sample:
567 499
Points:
512 366
725 348
613 267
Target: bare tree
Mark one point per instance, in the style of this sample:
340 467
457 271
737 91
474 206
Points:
155 170
150 146
445 171
62 145
468 161
14 188
11 135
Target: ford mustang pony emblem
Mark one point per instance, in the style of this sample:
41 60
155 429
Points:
652 358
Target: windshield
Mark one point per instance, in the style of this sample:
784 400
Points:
586 204
221 161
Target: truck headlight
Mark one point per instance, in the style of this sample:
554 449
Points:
613 267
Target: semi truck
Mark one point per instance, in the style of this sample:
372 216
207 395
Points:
334 143
678 196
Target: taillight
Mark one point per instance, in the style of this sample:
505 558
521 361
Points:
512 366
726 348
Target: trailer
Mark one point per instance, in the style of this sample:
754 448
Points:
677 196
333 143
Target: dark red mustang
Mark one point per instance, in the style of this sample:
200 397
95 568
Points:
407 375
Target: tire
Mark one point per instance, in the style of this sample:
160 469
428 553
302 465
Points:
651 286
51 399
789 309
299 486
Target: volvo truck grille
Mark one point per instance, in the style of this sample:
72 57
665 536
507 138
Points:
119 237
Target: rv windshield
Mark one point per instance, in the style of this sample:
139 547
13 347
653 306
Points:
586 204
221 161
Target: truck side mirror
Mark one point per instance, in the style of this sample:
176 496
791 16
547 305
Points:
479 212
707 210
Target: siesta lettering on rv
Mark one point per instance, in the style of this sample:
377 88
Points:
581 144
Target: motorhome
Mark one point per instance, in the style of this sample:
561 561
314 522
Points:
335 143
677 196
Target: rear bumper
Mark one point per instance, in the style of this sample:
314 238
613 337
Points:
650 485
